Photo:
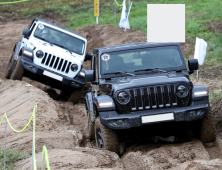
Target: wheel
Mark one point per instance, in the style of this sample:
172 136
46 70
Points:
10 67
208 128
204 129
18 70
106 138
75 96
90 128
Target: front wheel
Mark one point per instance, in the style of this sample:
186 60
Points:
208 128
18 70
106 138
204 129
90 128
10 67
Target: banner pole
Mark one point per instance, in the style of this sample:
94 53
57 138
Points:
197 75
5 142
115 10
129 4
128 15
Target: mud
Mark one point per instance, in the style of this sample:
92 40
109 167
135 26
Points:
61 126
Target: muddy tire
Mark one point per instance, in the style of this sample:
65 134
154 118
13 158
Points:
10 67
18 70
90 128
208 128
106 138
75 96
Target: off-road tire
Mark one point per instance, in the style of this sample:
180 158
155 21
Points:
75 96
18 70
10 67
90 128
109 137
208 128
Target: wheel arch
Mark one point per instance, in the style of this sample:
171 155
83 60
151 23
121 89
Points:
18 50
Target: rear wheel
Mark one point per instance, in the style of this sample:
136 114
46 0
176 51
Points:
18 70
106 138
75 96
10 67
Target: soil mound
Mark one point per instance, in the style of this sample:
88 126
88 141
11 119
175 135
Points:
61 125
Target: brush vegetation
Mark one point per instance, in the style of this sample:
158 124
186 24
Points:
11 157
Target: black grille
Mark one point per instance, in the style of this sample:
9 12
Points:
154 97
56 63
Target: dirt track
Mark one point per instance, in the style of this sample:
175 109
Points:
61 125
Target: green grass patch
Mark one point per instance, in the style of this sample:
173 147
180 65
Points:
216 95
11 157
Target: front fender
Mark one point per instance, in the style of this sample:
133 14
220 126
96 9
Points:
198 93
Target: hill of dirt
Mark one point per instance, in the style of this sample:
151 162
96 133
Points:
61 126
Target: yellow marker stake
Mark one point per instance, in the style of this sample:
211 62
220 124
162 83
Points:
44 151
96 10
13 2
34 160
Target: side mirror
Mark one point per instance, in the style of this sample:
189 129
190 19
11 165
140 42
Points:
193 65
89 75
26 32
88 57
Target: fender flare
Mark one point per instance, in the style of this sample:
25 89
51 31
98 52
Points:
89 106
106 103
17 50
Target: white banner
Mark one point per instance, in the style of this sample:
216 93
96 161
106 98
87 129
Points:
200 50
124 22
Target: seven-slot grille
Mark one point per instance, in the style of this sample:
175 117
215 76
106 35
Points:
153 97
56 63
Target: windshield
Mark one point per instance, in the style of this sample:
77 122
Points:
164 58
59 38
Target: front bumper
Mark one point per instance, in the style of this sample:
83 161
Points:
77 82
111 119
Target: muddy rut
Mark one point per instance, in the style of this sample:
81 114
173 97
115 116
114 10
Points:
61 126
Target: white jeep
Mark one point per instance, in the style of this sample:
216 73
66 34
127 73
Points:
52 55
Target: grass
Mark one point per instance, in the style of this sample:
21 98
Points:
11 157
216 95
200 16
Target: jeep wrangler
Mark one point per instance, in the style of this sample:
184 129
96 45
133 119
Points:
137 84
52 55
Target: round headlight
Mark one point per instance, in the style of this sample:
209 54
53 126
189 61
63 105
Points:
39 54
123 97
74 67
182 91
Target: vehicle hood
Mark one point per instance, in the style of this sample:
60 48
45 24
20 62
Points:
141 81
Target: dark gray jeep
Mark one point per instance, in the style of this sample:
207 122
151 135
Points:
144 83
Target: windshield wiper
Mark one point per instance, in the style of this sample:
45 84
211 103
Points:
151 69
46 40
63 47
121 72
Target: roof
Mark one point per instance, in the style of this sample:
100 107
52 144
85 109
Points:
65 29
133 46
